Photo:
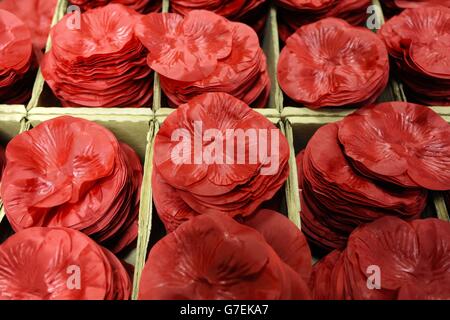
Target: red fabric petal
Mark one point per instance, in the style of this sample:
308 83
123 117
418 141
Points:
215 55
285 238
417 40
16 60
213 257
184 49
101 64
142 6
293 14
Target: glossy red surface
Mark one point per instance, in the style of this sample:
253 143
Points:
333 64
70 172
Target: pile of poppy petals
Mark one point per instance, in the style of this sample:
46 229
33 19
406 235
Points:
204 52
59 264
284 237
389 259
251 12
330 63
16 60
71 172
292 14
214 257
378 161
195 171
395 6
142 6
100 64
37 15
418 41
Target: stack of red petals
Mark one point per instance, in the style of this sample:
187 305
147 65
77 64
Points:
142 6
378 161
37 14
70 172
59 264
215 257
292 14
389 259
16 60
216 155
418 41
251 12
204 52
99 63
394 6
285 238
331 63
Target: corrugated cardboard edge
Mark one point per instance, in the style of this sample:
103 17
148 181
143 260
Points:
145 212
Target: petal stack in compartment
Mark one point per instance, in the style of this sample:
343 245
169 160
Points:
59 264
204 52
2 162
70 172
142 6
251 12
330 63
378 161
389 259
418 41
395 6
16 60
216 155
37 15
292 14
99 63
215 257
